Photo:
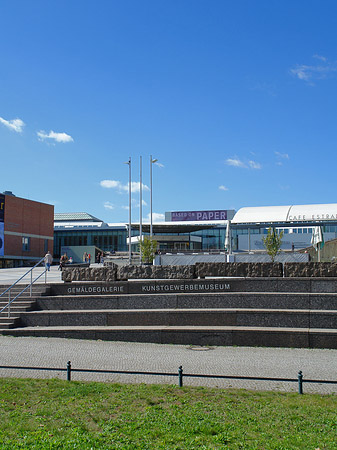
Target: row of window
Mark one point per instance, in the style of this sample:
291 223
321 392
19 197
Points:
116 240
26 241
307 230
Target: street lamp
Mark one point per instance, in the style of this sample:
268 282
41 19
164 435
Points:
152 161
129 164
140 208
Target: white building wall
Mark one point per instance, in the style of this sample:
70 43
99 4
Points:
299 241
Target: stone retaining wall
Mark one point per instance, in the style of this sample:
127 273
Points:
90 274
157 272
199 270
238 270
311 269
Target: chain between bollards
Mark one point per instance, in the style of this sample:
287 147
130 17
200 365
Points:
300 382
68 371
180 374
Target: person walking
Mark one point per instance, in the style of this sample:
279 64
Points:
63 261
48 259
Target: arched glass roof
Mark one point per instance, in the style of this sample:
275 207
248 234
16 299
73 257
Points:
289 213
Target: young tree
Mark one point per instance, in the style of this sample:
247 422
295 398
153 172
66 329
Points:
272 243
148 248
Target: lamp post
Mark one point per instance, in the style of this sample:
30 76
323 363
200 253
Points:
140 208
129 164
152 161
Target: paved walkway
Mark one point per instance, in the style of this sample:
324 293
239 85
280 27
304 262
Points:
9 276
240 361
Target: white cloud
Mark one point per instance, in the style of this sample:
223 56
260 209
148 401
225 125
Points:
136 203
57 137
114 184
156 217
108 205
110 184
157 163
14 125
302 72
235 163
282 155
255 165
223 188
320 57
135 186
308 73
280 158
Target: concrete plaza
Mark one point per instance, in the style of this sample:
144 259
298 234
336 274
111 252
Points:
235 361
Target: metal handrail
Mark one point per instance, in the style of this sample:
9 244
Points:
10 301
30 270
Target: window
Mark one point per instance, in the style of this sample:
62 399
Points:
25 244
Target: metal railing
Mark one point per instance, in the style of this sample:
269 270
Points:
181 375
29 286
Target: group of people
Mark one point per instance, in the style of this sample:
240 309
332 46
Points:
86 257
48 259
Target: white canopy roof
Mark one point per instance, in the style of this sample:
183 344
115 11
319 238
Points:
289 213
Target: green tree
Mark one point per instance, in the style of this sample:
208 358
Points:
148 248
272 243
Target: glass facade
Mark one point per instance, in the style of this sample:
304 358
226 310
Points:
110 240
114 238
213 238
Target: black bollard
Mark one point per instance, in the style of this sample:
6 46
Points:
180 374
300 382
68 371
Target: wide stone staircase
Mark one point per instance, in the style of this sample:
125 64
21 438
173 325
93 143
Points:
293 313
25 302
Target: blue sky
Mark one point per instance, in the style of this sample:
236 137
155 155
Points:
236 100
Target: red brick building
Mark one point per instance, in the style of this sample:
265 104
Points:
26 230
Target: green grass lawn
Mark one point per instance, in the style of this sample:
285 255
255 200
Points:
55 414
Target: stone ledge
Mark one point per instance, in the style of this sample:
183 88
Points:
239 270
311 269
70 274
113 272
157 272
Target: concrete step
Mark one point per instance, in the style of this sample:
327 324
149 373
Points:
21 303
6 323
192 335
16 309
326 319
215 284
37 290
262 300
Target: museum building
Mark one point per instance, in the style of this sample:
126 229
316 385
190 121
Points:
200 230
26 230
